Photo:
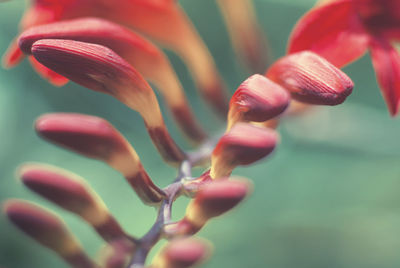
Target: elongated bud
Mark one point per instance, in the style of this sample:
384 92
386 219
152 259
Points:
182 253
244 144
248 39
257 99
48 230
311 79
150 61
99 68
96 138
212 200
71 193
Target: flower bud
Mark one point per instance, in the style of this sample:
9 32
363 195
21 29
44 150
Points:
48 230
244 144
311 79
96 138
182 253
257 99
71 193
212 200
148 59
99 68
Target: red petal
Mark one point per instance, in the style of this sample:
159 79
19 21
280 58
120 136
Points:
386 61
13 55
53 77
333 31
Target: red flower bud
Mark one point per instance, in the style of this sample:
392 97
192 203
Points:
212 200
96 138
182 253
100 69
257 99
150 61
244 144
71 193
48 230
311 79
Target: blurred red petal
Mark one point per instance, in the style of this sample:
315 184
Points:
48 74
386 61
12 56
332 30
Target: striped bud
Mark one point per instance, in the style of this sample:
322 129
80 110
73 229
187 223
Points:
257 99
182 253
96 138
48 230
99 68
150 61
71 193
244 144
311 79
212 200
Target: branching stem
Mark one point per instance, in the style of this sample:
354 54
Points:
173 191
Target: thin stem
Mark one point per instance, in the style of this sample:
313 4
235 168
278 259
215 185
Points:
172 191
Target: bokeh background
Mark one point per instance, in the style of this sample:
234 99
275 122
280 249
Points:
329 196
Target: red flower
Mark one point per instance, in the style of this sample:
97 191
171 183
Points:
161 20
343 30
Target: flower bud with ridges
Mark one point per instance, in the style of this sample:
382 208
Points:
100 69
311 79
150 61
96 138
244 144
71 193
47 229
257 99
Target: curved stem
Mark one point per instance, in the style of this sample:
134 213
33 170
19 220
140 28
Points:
172 191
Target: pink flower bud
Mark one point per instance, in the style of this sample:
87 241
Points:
100 69
212 200
93 66
218 197
244 144
96 138
311 79
48 230
182 253
149 60
91 136
71 193
257 99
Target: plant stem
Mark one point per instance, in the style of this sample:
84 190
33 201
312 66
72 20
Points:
147 242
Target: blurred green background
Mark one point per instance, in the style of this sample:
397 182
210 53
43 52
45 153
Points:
329 197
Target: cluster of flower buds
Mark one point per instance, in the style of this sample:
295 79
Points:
84 41
342 30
